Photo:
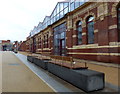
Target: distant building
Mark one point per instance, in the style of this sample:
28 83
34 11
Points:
5 45
22 46
16 45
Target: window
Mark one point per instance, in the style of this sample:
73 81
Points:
90 30
72 6
61 6
61 14
77 4
66 10
79 30
65 5
118 9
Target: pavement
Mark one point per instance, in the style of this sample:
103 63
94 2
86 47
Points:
19 75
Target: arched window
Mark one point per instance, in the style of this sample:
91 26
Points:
79 29
118 9
90 30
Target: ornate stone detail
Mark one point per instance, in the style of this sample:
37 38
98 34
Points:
75 22
69 23
102 10
87 15
112 26
83 34
96 31
74 36
114 10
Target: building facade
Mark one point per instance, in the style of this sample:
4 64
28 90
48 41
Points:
5 45
83 30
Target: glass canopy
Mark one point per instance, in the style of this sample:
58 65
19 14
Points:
59 11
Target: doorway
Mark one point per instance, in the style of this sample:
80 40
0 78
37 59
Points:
62 47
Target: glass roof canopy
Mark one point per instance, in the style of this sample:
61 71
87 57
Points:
59 11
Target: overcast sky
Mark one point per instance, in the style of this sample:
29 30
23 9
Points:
18 17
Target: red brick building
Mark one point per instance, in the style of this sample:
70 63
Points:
22 46
90 31
5 45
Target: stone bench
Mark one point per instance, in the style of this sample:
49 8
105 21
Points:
41 62
30 58
85 79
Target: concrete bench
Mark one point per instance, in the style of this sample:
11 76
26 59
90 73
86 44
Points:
30 58
85 79
41 62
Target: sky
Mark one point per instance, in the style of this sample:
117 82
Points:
18 17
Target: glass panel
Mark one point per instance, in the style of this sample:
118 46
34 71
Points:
62 35
65 5
66 10
90 19
79 29
49 22
61 6
57 16
119 9
63 43
72 6
91 32
79 23
71 0
55 12
119 18
58 8
86 0
53 19
81 2
61 14
76 4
